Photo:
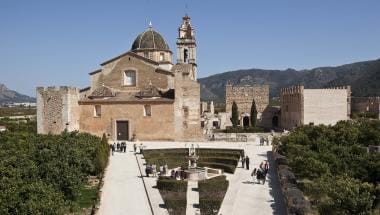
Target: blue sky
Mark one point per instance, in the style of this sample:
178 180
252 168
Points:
51 42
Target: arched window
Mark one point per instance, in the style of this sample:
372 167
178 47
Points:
185 55
130 78
162 56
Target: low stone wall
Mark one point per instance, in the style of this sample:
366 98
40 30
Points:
294 199
242 137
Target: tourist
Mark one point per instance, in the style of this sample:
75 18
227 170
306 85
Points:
253 174
134 147
242 162
247 162
141 147
172 173
147 170
176 174
165 168
124 147
118 147
161 170
262 166
112 148
266 167
154 170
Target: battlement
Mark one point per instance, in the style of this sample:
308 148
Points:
293 89
247 86
62 89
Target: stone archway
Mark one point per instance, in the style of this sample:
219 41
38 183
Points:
275 121
246 121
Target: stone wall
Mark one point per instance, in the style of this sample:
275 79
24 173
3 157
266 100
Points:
57 109
291 107
301 106
187 106
112 75
366 104
325 106
244 95
295 200
158 126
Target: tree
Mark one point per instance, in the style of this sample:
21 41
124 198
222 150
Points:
235 115
253 113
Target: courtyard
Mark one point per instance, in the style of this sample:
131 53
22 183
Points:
126 190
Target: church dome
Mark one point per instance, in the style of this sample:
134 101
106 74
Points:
150 39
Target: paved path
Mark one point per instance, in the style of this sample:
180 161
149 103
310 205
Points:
192 197
123 191
245 197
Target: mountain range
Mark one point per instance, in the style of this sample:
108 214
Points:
364 78
10 96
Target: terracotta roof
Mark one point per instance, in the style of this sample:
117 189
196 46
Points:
149 92
126 97
101 92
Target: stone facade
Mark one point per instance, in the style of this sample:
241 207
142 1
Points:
139 94
366 105
243 96
300 106
57 109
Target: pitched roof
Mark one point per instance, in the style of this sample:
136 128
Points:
101 92
147 60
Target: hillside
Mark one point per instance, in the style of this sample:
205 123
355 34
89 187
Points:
364 77
8 96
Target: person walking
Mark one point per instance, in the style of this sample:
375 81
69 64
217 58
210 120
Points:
253 174
242 162
112 148
147 170
134 147
154 170
165 168
247 162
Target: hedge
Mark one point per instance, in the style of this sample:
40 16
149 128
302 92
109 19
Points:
211 194
173 193
164 183
228 161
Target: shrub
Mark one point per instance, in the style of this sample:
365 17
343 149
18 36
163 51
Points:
211 194
171 184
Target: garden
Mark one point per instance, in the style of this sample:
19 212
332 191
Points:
49 174
211 191
333 167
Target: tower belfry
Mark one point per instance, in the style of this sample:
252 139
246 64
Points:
186 45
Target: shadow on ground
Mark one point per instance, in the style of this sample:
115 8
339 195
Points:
278 204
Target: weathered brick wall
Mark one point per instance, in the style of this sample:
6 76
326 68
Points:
244 95
158 126
57 109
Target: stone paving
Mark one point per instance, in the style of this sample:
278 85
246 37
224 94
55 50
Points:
124 192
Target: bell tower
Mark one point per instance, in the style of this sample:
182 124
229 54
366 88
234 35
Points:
186 45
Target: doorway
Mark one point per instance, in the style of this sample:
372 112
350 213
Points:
246 121
122 130
275 122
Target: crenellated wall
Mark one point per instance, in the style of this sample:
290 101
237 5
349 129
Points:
300 106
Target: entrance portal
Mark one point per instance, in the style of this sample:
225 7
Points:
246 121
122 132
275 121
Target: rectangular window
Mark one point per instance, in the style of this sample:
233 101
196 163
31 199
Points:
129 78
147 110
97 111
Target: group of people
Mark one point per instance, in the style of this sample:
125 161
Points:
152 169
119 147
261 172
178 174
